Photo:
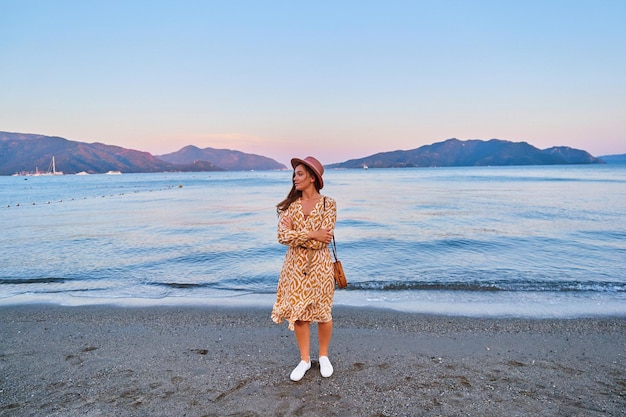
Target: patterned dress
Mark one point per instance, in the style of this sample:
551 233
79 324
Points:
306 285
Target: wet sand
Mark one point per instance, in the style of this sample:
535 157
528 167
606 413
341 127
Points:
207 361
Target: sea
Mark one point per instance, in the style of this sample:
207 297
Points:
520 241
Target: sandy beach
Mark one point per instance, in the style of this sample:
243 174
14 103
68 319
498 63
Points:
208 361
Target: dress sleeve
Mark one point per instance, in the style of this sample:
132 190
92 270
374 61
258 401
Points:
329 214
291 237
298 236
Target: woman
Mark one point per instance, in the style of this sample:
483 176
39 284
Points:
306 285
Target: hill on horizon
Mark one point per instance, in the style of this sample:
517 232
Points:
473 152
26 153
20 152
224 158
614 159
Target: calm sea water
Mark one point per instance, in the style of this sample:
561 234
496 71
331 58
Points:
491 241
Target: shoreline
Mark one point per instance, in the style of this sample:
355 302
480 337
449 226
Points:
209 361
435 303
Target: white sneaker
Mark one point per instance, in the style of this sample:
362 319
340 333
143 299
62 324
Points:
300 370
326 368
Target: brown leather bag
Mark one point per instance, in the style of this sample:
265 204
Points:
340 276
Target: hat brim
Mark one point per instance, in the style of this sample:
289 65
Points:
297 161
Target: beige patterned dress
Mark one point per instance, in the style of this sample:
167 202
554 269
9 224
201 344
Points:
306 285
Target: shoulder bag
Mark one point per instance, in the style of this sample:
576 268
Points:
340 276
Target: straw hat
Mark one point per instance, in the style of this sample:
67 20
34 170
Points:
315 166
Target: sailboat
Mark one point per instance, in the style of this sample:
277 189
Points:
52 170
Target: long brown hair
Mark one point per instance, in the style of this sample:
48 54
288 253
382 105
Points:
295 194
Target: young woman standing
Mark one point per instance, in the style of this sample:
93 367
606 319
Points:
306 285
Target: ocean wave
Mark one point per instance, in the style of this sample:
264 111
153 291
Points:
267 284
491 286
26 281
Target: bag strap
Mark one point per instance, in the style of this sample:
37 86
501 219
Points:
334 247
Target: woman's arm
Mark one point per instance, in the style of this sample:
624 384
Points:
286 233
311 239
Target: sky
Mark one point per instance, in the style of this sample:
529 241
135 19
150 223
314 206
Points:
334 79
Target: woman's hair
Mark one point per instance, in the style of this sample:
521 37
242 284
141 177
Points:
293 193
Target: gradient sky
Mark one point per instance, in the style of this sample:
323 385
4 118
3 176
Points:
335 79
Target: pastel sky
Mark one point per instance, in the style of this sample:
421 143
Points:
335 79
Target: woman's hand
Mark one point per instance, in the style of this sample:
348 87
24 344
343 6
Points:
286 223
322 235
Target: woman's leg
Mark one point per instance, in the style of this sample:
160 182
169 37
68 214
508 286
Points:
302 329
325 332
303 338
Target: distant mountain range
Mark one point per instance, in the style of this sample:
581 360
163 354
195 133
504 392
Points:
454 152
614 159
225 158
24 153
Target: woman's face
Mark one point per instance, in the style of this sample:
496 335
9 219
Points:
302 179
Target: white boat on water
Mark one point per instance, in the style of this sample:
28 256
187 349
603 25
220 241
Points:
52 170
82 173
114 173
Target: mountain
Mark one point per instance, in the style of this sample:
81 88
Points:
454 152
224 158
614 159
23 153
